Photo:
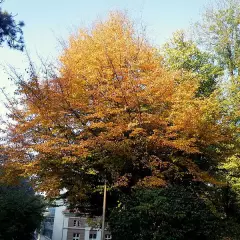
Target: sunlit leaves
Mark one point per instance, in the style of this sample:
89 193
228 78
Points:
113 109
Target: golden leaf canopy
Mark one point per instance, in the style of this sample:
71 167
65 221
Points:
112 109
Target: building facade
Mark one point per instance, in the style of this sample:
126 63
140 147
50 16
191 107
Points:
60 224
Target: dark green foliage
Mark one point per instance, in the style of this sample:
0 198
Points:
11 31
172 213
21 212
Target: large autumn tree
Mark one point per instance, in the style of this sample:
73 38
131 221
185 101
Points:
112 113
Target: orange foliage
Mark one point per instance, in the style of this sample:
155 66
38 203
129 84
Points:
110 112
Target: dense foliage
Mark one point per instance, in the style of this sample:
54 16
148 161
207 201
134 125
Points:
174 213
183 54
113 112
161 127
21 212
219 33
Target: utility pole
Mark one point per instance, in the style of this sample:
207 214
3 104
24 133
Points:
104 210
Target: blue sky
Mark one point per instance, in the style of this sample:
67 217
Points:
48 20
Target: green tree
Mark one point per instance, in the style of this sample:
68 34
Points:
219 33
10 31
183 54
173 213
21 212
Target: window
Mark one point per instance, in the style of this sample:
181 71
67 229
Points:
92 236
76 236
47 228
47 233
108 236
76 223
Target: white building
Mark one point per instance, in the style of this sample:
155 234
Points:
60 224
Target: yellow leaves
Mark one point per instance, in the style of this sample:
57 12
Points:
68 159
113 106
185 145
108 63
49 145
152 181
138 132
30 168
51 187
98 125
176 142
11 173
92 171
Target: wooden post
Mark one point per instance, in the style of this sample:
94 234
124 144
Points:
104 210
